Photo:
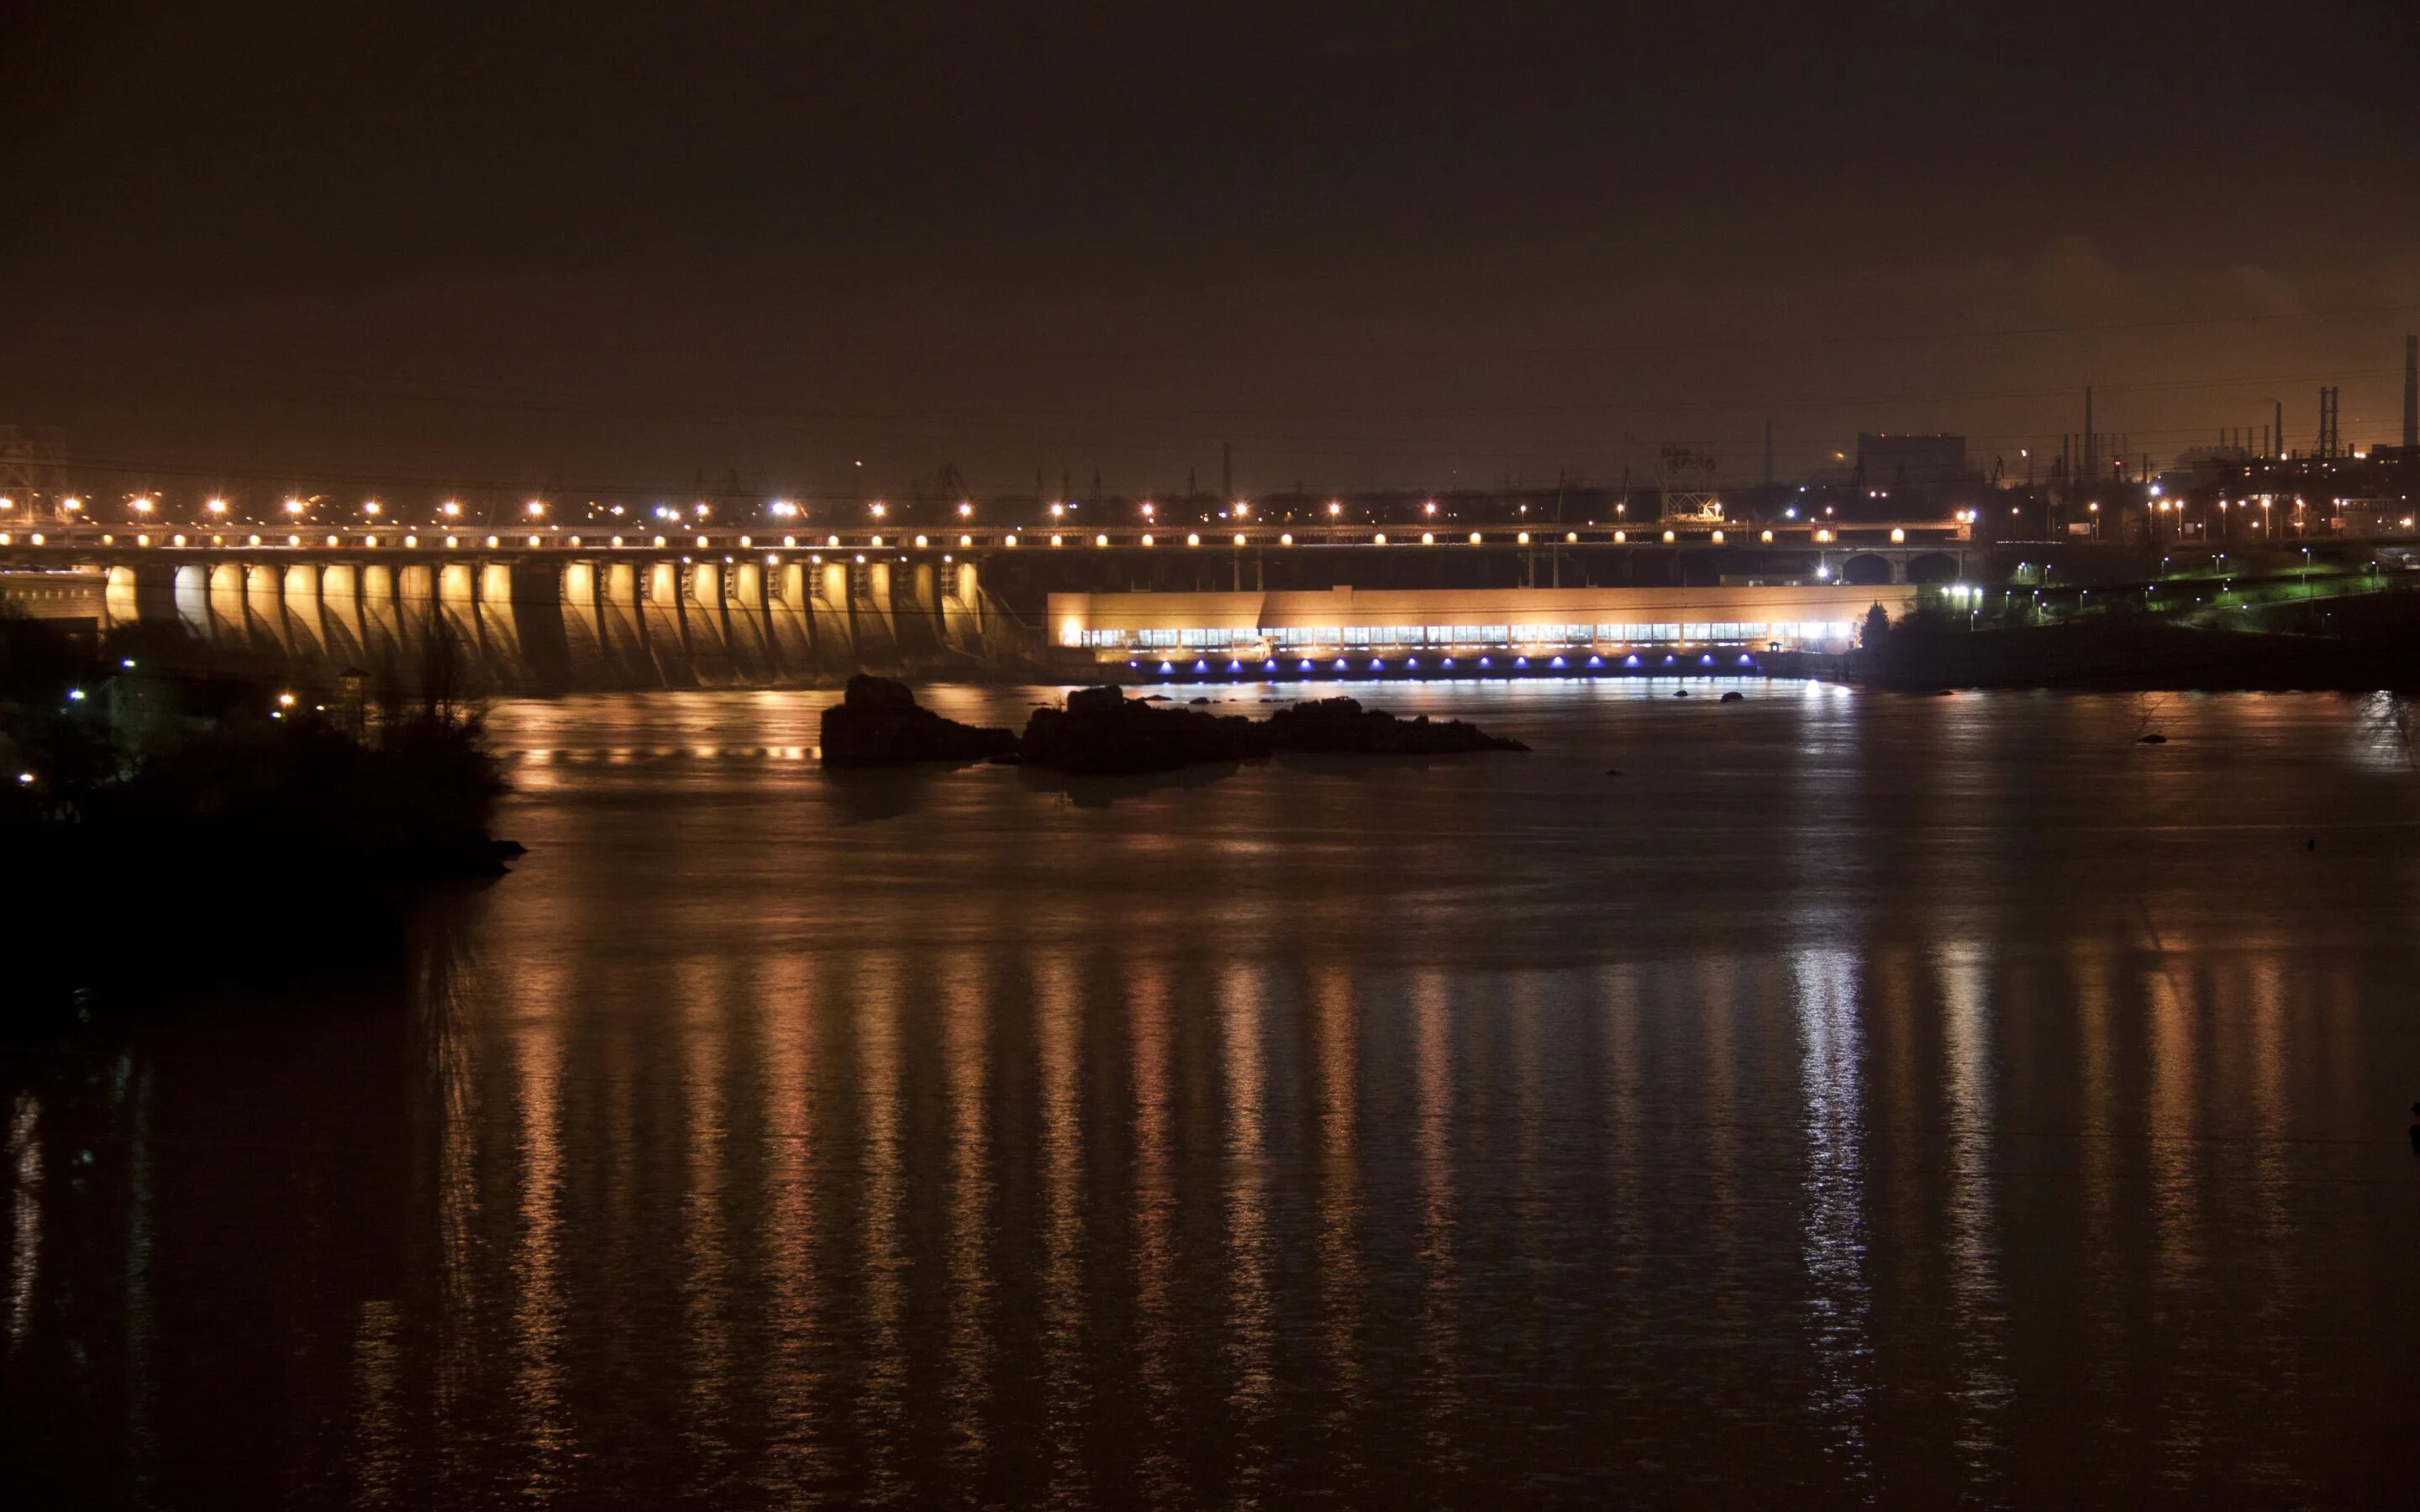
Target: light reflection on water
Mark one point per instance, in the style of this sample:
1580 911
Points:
1903 1098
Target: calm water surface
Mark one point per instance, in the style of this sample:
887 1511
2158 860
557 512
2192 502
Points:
1860 1098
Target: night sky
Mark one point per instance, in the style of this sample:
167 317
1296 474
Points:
597 246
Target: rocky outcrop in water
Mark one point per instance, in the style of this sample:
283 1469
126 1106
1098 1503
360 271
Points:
1342 725
877 722
1103 731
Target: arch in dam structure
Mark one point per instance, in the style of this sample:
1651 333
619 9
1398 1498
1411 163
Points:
621 624
382 597
747 623
121 597
225 598
190 598
702 604
963 627
341 616
588 661
1868 569
664 625
298 590
873 633
261 600
916 614
458 606
828 609
789 618
499 631
520 626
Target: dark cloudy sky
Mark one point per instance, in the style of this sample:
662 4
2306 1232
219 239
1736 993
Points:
595 245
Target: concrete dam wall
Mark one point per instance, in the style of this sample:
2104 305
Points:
568 624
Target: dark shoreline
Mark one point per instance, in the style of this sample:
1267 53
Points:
2125 654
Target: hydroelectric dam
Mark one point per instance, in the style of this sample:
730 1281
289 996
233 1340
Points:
550 610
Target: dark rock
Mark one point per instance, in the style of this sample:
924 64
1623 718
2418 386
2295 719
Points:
1102 731
1614 771
1680 693
1197 701
1732 697
2152 740
1342 724
879 723
508 848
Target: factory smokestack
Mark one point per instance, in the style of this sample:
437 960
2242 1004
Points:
2412 394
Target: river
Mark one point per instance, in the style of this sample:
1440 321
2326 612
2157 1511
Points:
1856 1098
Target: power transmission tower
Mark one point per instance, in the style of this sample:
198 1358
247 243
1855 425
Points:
1684 482
33 463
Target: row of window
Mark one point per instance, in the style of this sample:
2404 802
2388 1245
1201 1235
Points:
1799 632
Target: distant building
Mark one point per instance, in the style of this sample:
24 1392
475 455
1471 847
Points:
1911 461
